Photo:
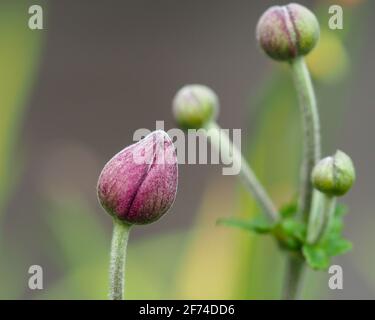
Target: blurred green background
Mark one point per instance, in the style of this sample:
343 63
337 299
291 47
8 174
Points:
73 94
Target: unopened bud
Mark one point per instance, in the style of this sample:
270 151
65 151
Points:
334 175
138 185
286 32
194 106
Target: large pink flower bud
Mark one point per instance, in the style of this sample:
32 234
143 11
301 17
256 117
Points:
138 185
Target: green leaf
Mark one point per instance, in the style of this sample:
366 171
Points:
316 257
259 224
290 233
289 210
341 210
337 226
289 243
294 228
336 246
337 223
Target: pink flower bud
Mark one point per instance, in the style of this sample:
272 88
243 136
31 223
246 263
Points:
286 32
138 185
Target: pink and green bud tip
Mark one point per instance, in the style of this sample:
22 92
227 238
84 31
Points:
286 32
138 185
194 106
335 175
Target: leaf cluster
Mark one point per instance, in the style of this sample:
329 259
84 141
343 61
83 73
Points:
291 233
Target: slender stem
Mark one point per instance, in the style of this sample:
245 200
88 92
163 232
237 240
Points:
309 201
328 214
316 217
320 220
311 128
222 142
294 278
118 257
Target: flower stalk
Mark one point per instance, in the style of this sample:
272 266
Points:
312 149
328 215
295 268
316 217
222 142
118 258
311 128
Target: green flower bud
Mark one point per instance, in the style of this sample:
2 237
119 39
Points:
194 106
334 175
286 32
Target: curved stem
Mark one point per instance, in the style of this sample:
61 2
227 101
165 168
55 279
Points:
309 202
328 216
294 278
321 217
311 128
222 142
118 256
316 217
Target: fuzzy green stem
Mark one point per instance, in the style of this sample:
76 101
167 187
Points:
295 268
311 128
321 217
328 216
309 201
118 257
221 142
316 217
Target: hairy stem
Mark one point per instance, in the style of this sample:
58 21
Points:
311 128
316 218
309 201
118 256
294 278
328 216
230 152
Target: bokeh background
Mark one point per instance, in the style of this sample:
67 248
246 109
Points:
73 94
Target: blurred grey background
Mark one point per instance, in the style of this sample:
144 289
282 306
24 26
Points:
111 67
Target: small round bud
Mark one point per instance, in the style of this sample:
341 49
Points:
286 32
334 175
194 106
138 185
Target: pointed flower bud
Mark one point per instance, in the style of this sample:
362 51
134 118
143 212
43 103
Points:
138 185
194 106
286 32
334 175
